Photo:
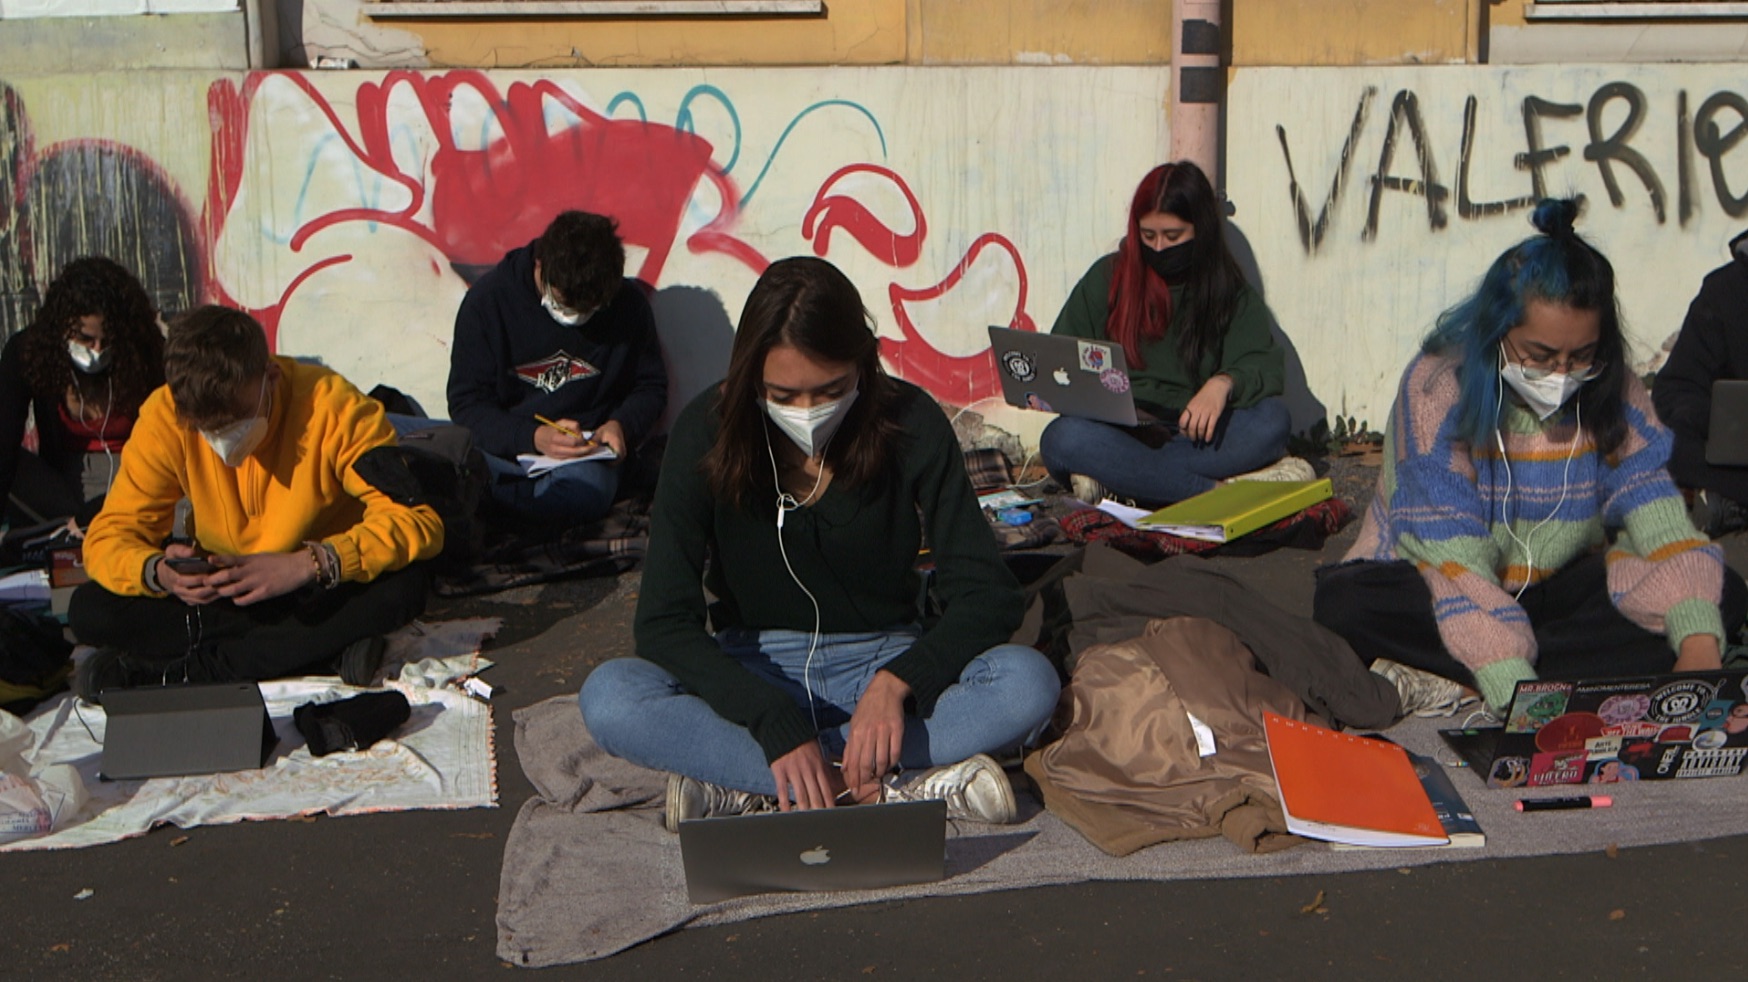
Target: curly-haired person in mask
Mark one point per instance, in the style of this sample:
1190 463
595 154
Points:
86 362
296 562
1524 523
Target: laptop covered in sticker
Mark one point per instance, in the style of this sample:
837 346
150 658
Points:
1604 731
1070 376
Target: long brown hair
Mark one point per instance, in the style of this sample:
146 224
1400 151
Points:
86 286
1140 302
810 305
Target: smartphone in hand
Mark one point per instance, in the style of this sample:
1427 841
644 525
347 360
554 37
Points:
191 564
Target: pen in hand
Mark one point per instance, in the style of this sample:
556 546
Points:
567 431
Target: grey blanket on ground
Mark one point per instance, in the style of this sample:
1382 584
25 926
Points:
589 871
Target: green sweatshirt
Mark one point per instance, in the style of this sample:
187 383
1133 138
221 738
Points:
1248 355
855 548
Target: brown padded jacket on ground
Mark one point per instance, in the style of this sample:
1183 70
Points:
1127 772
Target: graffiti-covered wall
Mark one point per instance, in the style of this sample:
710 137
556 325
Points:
1374 198
349 211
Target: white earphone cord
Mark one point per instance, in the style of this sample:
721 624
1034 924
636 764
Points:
786 503
103 428
1529 561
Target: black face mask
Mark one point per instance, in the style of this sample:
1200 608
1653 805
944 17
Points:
1171 264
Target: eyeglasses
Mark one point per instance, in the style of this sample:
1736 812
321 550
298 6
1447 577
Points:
1576 369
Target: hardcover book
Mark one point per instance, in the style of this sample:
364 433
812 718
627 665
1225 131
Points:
1345 788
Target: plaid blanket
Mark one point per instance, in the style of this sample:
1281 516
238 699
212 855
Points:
1305 530
604 548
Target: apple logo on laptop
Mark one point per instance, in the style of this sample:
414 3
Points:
817 856
1060 375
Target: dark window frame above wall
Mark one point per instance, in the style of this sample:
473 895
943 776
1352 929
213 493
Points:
594 8
1591 10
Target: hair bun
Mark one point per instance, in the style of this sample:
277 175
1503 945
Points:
1554 217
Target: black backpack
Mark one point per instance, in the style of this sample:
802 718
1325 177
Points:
442 468
34 657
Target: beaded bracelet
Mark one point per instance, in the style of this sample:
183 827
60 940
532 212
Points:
326 563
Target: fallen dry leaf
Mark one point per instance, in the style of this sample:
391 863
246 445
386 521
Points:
1617 915
63 946
1315 906
179 840
1613 851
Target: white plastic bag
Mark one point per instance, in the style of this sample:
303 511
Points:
33 804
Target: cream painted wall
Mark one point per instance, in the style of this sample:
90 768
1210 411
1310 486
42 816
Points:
347 209
1357 292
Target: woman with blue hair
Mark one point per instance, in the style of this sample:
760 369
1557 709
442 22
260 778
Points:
1524 524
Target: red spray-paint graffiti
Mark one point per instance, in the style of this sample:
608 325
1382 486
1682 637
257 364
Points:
483 203
957 380
474 205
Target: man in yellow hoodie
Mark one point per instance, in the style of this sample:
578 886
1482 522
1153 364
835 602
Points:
294 561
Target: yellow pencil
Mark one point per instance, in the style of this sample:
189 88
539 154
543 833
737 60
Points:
567 431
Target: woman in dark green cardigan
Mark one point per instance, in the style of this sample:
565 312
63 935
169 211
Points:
799 493
1202 362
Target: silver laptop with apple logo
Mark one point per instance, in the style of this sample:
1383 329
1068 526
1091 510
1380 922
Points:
860 847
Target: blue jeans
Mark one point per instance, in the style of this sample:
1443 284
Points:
571 495
1181 468
638 712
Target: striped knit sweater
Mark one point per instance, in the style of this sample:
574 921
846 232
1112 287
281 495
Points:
1459 513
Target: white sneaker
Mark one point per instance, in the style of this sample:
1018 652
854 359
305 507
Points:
1285 469
975 789
690 798
1086 489
1423 693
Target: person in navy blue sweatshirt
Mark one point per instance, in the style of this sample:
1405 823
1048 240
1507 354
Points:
556 330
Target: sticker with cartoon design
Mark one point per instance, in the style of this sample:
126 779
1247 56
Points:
1620 710
1019 365
1034 402
1094 357
1114 380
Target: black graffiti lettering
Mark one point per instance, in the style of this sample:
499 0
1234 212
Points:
1311 233
1605 151
1407 109
1714 144
1683 158
1467 208
1538 156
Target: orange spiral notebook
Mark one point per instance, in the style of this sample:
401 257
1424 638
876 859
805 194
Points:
1344 788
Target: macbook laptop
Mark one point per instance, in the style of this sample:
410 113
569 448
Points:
1727 442
855 848
1603 731
1060 374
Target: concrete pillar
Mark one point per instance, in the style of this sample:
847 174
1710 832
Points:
1198 84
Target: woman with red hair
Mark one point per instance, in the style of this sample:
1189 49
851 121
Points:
1203 366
